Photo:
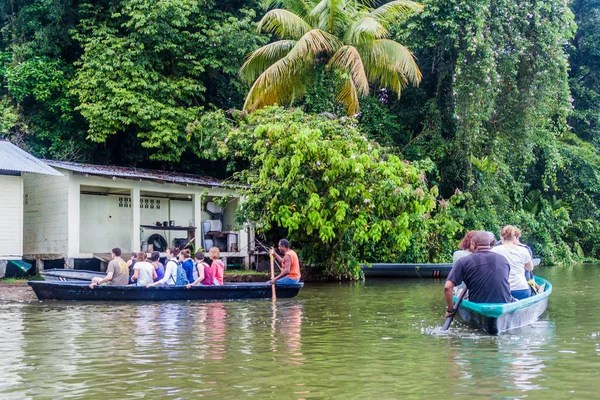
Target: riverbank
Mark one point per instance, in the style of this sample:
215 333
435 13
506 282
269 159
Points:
16 292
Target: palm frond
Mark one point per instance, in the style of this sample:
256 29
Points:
348 96
394 10
365 29
348 59
261 59
279 84
387 78
332 15
313 42
302 8
385 53
284 24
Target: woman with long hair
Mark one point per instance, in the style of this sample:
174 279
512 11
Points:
170 277
519 260
464 246
143 272
217 267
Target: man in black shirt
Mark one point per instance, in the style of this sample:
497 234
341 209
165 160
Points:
485 274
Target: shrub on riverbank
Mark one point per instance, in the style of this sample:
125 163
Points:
340 198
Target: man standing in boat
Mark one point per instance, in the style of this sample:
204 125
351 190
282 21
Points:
117 272
290 272
485 274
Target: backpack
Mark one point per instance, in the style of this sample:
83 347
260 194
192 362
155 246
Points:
181 275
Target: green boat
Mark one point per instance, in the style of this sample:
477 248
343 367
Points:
494 318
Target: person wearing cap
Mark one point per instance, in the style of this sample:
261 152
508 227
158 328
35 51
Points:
485 274
290 272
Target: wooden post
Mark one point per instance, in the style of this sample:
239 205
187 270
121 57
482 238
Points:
274 295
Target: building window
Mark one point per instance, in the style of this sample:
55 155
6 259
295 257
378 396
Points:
152 204
26 199
158 204
125 202
145 203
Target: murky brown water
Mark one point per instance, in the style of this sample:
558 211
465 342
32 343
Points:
345 341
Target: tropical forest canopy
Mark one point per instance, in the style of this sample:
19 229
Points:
365 131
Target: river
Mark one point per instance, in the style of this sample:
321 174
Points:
377 339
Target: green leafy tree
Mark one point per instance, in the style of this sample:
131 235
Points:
347 35
146 66
585 71
340 198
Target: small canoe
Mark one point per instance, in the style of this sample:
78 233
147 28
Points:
71 275
392 270
385 270
80 291
496 318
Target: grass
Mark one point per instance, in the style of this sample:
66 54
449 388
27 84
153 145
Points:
243 272
22 280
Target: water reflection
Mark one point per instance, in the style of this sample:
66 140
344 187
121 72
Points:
286 330
335 341
11 320
513 361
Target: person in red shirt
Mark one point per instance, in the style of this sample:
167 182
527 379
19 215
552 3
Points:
290 272
217 267
205 276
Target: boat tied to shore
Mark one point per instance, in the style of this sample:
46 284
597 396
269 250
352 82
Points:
71 275
412 270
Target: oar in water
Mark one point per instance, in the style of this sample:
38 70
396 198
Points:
456 305
273 295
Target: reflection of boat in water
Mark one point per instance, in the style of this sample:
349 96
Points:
80 291
71 275
496 318
391 270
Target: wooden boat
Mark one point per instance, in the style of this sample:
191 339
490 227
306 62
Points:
390 270
235 291
496 318
385 270
71 275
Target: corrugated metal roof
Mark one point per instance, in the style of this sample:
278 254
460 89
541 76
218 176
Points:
136 173
14 159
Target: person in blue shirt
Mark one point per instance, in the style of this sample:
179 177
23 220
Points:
158 266
187 264
485 274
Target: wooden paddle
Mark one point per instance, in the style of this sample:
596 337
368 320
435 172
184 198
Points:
456 305
265 248
274 295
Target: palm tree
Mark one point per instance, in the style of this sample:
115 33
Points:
349 35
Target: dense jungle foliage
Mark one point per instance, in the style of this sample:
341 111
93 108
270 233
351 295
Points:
504 126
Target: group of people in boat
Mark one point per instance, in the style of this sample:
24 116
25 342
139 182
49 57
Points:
492 271
181 270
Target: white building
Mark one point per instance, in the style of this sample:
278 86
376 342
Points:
90 209
15 166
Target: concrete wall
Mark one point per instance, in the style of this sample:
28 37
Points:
11 217
106 222
45 215
62 222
